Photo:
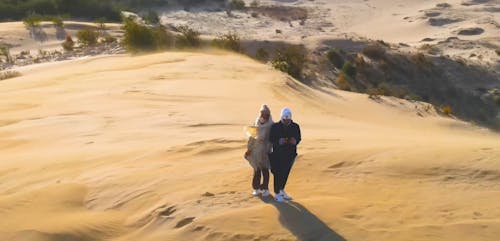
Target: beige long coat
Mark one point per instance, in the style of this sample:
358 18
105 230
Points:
260 146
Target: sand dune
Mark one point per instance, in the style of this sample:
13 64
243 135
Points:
150 148
413 23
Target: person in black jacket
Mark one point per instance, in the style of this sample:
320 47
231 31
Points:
284 136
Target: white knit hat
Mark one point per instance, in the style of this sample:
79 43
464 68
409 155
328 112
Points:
286 113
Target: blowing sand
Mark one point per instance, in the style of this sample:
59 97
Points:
150 148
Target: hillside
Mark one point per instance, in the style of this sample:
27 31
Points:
150 148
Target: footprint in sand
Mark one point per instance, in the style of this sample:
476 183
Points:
167 211
353 216
338 165
184 222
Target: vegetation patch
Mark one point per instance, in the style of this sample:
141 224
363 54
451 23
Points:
9 74
283 13
291 60
229 41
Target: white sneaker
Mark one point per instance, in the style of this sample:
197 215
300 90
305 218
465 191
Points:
279 198
285 195
265 193
255 192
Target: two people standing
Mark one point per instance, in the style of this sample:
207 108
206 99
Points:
274 147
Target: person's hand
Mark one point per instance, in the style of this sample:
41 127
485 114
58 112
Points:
282 141
292 141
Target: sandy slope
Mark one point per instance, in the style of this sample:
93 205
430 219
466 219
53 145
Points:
126 148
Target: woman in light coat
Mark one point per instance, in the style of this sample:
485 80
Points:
257 153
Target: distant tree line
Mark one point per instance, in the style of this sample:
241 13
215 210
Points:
86 9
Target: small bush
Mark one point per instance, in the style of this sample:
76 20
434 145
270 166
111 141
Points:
374 51
254 15
9 74
255 3
58 22
262 55
32 20
237 4
342 82
335 58
189 38
420 60
138 37
446 110
87 37
229 41
290 60
68 44
497 51
430 49
374 92
5 51
349 69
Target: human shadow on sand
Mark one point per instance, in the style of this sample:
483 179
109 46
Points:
303 224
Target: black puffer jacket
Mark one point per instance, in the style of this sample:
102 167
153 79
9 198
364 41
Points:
286 152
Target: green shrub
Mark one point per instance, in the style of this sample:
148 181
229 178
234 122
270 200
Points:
497 51
189 38
291 60
335 58
9 74
68 44
138 37
237 4
229 41
87 37
349 69
262 55
32 20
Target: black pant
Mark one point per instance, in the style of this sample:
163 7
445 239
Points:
256 179
281 170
